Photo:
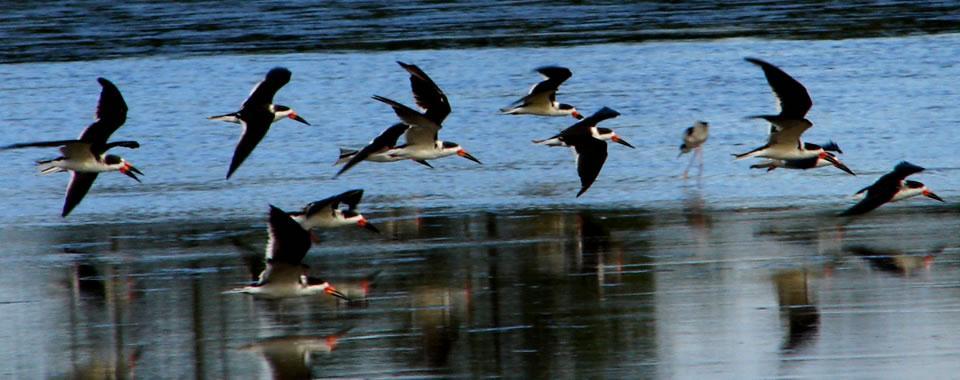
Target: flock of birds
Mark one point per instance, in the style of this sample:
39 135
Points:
289 233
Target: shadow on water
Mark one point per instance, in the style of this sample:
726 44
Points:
531 293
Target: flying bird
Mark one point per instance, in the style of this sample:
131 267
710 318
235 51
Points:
787 126
891 187
420 130
693 139
285 275
825 158
257 113
86 156
589 148
327 213
542 98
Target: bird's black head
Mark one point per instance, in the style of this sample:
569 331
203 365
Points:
831 146
450 145
111 159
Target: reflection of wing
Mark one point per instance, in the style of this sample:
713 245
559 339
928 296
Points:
787 131
254 129
80 183
264 91
287 242
591 154
427 94
794 101
111 114
387 139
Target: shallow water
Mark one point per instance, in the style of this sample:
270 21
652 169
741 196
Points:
881 100
548 293
494 269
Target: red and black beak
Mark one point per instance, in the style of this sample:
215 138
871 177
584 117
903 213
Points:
130 171
577 115
329 289
833 160
294 116
931 195
363 223
618 139
464 154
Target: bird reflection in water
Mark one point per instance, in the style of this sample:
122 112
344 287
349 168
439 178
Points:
289 357
893 261
437 314
796 305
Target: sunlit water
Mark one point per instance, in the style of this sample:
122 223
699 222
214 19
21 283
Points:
493 269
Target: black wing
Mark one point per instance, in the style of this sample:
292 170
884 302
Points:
591 154
80 183
287 242
884 189
582 127
111 114
555 76
427 94
793 97
387 139
350 198
263 93
253 131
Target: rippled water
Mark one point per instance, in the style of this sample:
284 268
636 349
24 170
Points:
56 30
494 269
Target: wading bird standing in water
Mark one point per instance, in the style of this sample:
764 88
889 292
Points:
86 156
693 139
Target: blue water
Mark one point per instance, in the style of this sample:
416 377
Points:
882 100
491 270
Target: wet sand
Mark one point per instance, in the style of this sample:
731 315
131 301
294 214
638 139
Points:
680 292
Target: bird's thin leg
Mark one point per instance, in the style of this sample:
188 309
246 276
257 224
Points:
700 159
689 164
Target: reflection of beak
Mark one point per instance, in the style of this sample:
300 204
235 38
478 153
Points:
839 164
363 223
617 139
464 154
329 289
129 171
577 115
931 195
296 117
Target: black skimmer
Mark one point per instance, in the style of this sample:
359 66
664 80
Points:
326 213
590 149
285 275
86 156
419 129
825 158
542 98
891 187
693 139
786 127
257 113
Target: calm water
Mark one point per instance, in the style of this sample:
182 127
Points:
494 269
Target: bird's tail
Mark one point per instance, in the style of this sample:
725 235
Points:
345 156
752 153
553 141
48 167
230 117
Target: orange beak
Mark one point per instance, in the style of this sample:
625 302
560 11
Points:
294 116
329 289
464 154
577 115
